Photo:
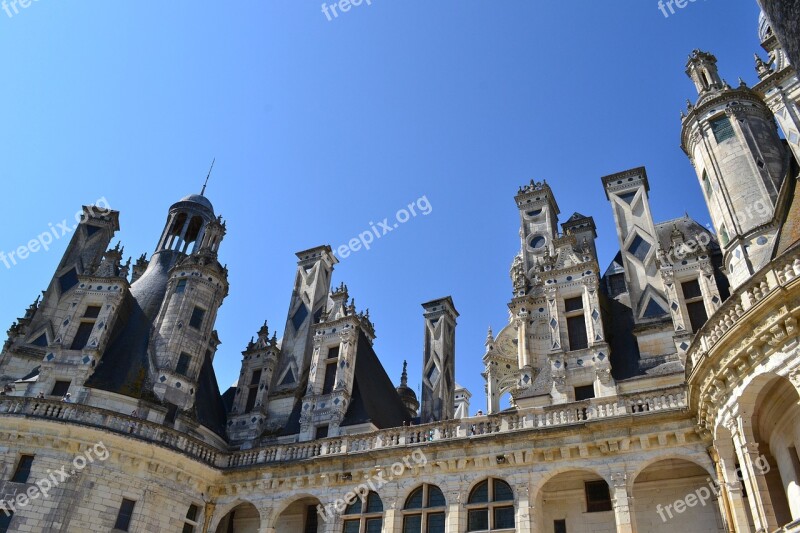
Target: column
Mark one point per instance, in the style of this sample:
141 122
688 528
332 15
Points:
623 503
730 488
757 490
454 521
523 357
524 522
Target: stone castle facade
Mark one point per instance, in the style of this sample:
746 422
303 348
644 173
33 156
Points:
659 394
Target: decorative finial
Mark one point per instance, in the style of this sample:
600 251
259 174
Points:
404 375
203 191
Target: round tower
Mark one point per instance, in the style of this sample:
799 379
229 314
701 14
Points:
732 141
183 339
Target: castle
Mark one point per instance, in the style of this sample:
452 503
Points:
661 393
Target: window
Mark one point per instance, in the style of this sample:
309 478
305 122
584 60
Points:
616 284
695 307
5 520
424 510
724 236
180 287
288 378
299 316
311 520
723 129
41 340
560 526
639 248
183 364
61 388
576 323
191 519
584 393
330 377
68 280
490 506
93 311
81 338
23 471
598 498
252 393
322 432
707 184
364 517
197 317
124 515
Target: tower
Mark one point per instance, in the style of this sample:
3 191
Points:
439 368
307 305
184 340
408 395
732 141
538 214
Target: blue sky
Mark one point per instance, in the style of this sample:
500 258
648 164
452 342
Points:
321 127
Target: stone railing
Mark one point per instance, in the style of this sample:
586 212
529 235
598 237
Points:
86 415
529 419
778 275
475 427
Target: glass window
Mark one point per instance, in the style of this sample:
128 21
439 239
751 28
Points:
197 317
23 470
183 364
371 519
484 514
181 286
428 517
723 129
81 338
598 498
124 515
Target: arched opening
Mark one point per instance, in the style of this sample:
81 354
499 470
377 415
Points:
174 233
302 516
577 500
364 516
424 510
192 232
243 518
676 495
773 406
490 506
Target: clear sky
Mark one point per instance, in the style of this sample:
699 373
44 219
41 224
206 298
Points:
321 127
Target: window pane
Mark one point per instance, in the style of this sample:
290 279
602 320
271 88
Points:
435 496
351 526
93 311
60 388
504 518
414 501
478 520
124 515
354 508
374 525
330 378
573 304
480 494
584 392
23 471
181 286
188 528
299 316
81 338
691 289
598 498
435 523
697 314
256 378
191 514
5 521
183 364
412 524
722 128
252 394
374 503
502 491
576 327
197 318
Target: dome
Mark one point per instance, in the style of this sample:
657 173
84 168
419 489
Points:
764 28
198 199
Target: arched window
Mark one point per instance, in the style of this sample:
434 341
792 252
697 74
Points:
364 516
424 511
491 506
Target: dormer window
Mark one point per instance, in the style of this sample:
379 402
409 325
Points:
576 323
695 307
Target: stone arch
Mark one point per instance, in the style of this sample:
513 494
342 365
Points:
560 495
244 514
701 460
294 509
676 492
769 423
403 495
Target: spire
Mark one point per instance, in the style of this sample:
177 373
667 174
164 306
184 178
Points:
203 191
404 375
